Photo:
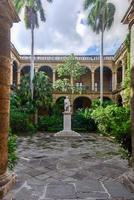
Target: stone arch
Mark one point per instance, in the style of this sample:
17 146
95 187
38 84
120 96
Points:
119 100
119 75
106 99
85 79
25 70
81 102
47 70
14 73
107 79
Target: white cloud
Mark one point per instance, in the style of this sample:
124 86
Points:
63 32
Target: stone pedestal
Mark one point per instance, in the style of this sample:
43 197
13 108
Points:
67 131
128 179
6 182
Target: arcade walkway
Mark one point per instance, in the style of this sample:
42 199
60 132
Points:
59 169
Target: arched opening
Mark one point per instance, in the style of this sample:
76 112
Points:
85 80
119 100
107 99
119 76
14 72
81 102
48 71
107 79
25 71
59 105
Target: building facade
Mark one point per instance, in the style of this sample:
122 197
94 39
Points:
114 75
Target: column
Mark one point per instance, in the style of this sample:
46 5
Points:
114 80
54 76
7 16
93 80
18 77
36 69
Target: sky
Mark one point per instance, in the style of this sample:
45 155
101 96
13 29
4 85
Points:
66 32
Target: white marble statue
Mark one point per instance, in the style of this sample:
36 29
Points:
67 105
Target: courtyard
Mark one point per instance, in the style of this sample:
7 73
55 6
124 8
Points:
77 168
66 100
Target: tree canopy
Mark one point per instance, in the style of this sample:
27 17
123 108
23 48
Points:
32 9
101 14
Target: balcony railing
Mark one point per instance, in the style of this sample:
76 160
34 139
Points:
80 90
63 57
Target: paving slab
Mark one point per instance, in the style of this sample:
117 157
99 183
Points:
61 191
64 169
117 190
89 186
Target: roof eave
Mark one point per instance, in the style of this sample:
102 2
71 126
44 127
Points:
125 19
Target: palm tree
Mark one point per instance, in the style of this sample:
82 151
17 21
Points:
100 17
32 8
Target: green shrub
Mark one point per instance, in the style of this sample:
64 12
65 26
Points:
20 122
12 155
52 123
115 121
82 121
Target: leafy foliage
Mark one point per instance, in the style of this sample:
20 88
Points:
101 14
42 90
23 107
114 121
127 81
62 85
70 70
52 123
12 147
82 121
32 9
20 122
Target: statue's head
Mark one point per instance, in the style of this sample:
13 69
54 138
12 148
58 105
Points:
66 97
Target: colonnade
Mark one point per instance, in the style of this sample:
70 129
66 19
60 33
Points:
92 70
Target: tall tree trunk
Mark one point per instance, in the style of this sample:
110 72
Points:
101 65
72 84
32 59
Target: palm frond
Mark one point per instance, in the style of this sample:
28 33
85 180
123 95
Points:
31 10
41 10
42 15
27 17
19 4
88 3
95 17
101 15
50 1
110 15
93 20
36 23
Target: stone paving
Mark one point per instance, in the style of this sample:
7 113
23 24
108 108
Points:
61 169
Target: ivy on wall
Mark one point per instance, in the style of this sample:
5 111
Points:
127 81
